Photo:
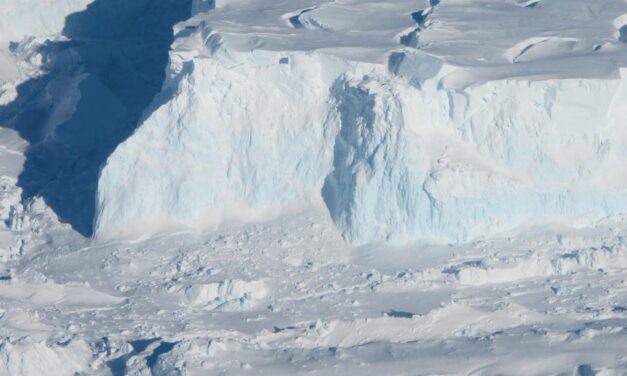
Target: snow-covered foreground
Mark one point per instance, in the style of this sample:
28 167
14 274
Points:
350 187
290 297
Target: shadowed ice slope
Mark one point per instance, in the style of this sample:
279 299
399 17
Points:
90 99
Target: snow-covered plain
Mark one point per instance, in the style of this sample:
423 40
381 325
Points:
313 187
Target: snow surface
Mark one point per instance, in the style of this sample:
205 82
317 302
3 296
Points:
289 297
313 187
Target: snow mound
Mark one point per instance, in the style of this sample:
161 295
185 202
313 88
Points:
227 295
537 48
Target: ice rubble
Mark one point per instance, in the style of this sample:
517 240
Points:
399 150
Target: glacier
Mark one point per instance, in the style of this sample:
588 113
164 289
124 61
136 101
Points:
313 186
395 124
402 143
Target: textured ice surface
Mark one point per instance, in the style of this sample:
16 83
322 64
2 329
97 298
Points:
287 297
27 357
456 165
228 295
197 161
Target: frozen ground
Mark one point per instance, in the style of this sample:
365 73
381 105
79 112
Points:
349 187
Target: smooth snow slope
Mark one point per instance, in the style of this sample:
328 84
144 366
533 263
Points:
446 121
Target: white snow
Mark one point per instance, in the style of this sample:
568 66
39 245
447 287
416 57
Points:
230 301
26 357
354 187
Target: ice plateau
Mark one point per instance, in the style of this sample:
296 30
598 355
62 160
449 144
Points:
393 122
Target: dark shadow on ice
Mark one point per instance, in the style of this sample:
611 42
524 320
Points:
163 348
399 314
622 34
93 93
118 366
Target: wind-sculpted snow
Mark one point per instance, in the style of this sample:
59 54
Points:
399 150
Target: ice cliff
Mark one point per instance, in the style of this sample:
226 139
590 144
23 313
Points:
399 136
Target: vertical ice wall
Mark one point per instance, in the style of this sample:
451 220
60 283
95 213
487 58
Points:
393 150
372 191
396 157
433 163
234 142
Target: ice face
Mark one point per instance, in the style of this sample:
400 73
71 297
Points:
394 154
441 164
198 161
